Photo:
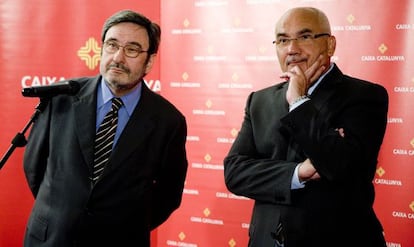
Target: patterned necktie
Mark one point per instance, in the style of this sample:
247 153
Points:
104 139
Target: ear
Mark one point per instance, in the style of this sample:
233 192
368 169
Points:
331 45
150 63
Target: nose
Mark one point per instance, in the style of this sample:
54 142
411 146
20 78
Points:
293 47
119 55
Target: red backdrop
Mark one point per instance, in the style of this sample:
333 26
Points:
213 53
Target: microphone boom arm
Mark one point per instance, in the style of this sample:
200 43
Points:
20 140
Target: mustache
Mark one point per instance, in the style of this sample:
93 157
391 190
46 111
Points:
118 66
295 60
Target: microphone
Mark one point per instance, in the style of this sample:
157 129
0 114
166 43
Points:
67 87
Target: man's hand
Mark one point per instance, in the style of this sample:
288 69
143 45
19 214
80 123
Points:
300 81
307 171
340 132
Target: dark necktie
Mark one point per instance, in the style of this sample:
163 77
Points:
104 139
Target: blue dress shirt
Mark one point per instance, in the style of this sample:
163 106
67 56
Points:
104 105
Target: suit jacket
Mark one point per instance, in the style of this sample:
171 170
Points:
141 186
335 211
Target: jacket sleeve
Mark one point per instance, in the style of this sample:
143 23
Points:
361 111
37 150
170 180
257 165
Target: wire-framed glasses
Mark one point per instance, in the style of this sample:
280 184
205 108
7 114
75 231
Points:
303 39
130 50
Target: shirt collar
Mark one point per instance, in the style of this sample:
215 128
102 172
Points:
130 100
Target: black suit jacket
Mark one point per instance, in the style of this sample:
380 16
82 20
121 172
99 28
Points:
334 211
141 186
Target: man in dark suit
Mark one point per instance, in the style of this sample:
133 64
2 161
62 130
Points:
141 184
307 149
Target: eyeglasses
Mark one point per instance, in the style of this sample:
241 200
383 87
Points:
304 39
130 50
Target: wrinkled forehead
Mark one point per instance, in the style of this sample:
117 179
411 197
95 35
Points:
128 32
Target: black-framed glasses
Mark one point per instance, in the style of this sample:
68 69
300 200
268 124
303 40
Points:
303 39
130 50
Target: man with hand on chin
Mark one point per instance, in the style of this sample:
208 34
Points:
307 149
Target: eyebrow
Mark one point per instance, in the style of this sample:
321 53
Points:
300 32
128 43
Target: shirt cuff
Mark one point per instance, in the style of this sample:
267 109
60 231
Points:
298 102
296 184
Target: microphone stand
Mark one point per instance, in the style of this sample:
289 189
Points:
20 140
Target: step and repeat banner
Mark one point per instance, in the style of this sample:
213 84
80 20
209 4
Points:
213 54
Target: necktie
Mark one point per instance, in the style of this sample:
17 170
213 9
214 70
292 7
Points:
104 139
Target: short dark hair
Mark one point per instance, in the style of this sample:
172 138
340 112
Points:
153 29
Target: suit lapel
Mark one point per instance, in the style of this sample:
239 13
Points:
85 118
136 133
319 98
326 89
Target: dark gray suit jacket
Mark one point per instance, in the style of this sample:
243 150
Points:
334 211
141 186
